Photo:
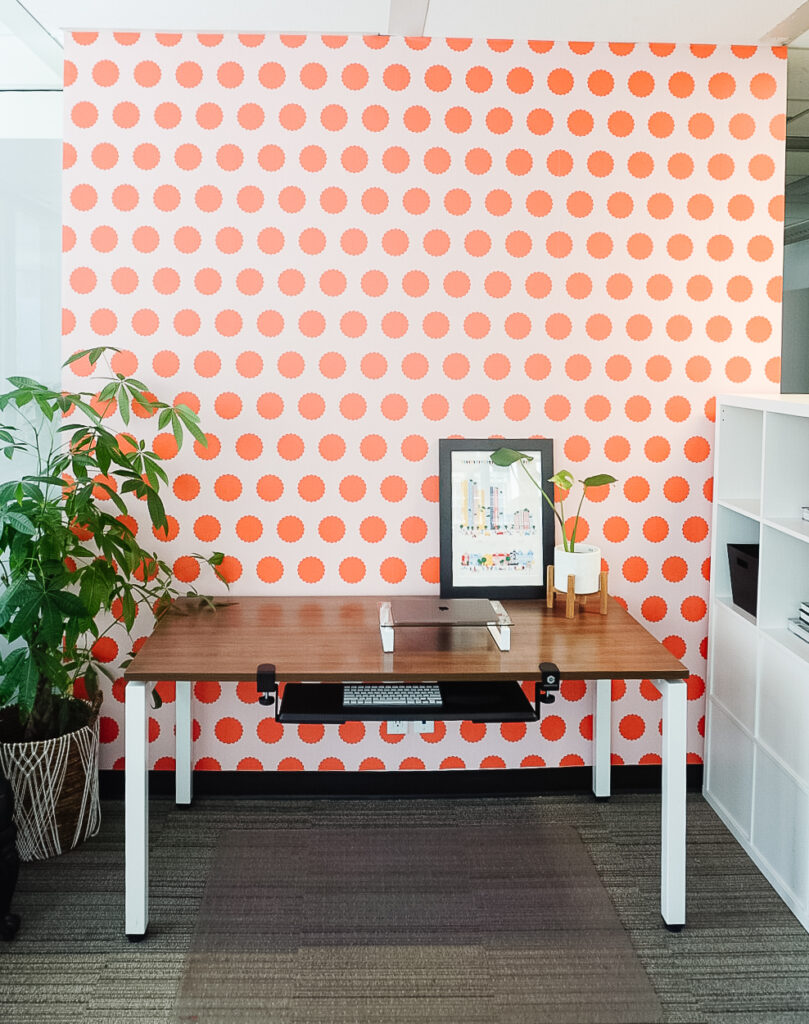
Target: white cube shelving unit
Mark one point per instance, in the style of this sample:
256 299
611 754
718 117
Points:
757 718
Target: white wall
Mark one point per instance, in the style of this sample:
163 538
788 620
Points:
30 262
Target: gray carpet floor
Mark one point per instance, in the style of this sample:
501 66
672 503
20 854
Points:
742 958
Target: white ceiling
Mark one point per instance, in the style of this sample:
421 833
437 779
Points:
689 21
31 30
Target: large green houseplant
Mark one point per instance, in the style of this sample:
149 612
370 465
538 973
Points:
71 566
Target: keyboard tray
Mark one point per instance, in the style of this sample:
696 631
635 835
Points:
493 701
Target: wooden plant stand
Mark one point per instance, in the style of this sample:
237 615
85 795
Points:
572 599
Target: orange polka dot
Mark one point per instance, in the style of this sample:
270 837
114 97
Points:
207 528
618 367
352 570
693 608
701 125
352 488
373 529
637 408
270 488
635 569
331 529
597 408
228 405
227 487
695 529
763 86
331 447
653 609
738 369
577 448
636 489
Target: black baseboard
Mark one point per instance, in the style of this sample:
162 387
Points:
467 783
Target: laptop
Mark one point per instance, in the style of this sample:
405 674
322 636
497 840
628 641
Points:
440 611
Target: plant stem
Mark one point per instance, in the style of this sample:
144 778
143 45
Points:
545 496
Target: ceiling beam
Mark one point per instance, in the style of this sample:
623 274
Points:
408 17
790 28
33 34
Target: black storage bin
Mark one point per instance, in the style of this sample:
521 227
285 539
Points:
743 559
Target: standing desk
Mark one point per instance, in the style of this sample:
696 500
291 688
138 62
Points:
337 639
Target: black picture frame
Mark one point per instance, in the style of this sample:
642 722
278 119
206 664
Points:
507 571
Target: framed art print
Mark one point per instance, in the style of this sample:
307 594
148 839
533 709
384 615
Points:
497 530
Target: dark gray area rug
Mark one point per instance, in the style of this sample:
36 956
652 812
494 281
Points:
503 925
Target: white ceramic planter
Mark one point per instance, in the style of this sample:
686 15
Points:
584 563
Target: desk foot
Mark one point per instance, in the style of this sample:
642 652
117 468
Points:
601 799
674 927
137 937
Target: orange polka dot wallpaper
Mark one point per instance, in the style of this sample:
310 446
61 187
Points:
341 249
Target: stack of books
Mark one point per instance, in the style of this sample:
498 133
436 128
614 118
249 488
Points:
800 626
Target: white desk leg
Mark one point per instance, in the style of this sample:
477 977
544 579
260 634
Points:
183 779
672 843
136 799
602 738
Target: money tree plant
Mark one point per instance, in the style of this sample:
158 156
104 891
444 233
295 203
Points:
71 565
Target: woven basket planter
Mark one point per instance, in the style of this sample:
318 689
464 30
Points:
55 786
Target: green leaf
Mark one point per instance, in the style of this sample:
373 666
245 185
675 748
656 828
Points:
118 501
7 686
27 612
52 625
26 677
17 667
123 405
21 523
507 457
191 421
54 481
103 454
93 588
9 599
32 385
177 428
7 491
156 511
562 479
150 472
76 356
129 609
599 480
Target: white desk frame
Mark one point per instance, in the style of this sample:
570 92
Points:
672 837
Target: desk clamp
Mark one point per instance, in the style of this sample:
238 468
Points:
549 680
267 686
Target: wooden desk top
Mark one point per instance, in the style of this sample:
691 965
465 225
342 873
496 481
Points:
333 639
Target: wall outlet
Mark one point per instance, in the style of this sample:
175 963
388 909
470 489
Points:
424 727
397 726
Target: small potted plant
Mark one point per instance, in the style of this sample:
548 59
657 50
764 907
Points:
72 571
583 561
